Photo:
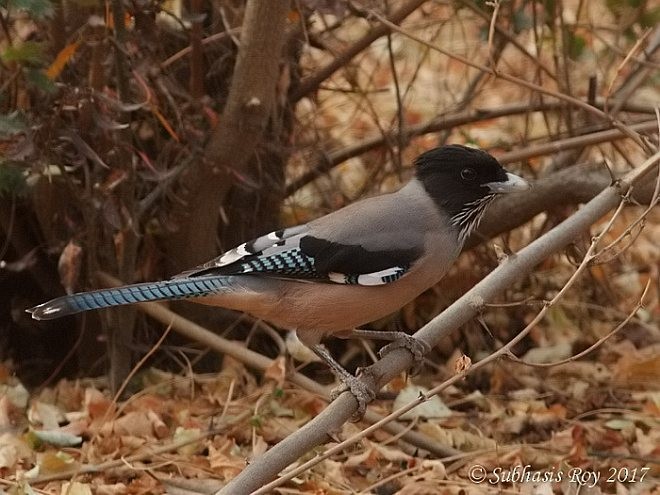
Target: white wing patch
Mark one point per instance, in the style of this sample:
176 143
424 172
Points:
381 277
274 242
338 278
232 255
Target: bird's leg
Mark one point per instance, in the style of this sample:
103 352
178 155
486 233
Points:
418 348
362 392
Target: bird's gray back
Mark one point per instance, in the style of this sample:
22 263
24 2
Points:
398 220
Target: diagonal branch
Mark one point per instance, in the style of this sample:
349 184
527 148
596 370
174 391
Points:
266 467
504 351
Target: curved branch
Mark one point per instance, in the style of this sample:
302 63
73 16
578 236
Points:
266 467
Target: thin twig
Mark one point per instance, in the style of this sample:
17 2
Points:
594 346
491 30
625 61
205 41
520 82
510 38
312 82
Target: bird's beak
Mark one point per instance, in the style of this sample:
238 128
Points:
513 183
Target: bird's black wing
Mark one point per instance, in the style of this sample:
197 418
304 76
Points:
296 253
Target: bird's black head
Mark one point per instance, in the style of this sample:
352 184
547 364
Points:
463 181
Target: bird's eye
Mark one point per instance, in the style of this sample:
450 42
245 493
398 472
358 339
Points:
468 174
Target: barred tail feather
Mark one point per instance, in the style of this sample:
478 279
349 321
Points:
129 294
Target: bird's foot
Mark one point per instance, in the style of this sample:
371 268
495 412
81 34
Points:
361 390
418 349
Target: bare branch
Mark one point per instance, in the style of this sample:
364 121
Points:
573 185
509 36
504 351
639 75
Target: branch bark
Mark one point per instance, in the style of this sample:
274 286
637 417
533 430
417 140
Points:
266 467
573 185
247 112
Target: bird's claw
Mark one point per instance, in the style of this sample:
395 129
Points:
418 348
361 390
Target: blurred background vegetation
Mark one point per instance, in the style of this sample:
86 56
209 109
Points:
120 149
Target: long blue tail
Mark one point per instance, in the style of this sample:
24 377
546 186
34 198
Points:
129 294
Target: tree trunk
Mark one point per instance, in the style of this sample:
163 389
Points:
239 134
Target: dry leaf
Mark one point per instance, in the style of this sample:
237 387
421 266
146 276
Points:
134 423
184 434
9 414
276 371
65 54
68 266
456 437
47 415
223 462
58 438
462 363
13 450
160 428
639 369
549 354
75 488
115 489
259 446
431 408
55 462
96 404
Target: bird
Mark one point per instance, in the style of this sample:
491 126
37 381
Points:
334 275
